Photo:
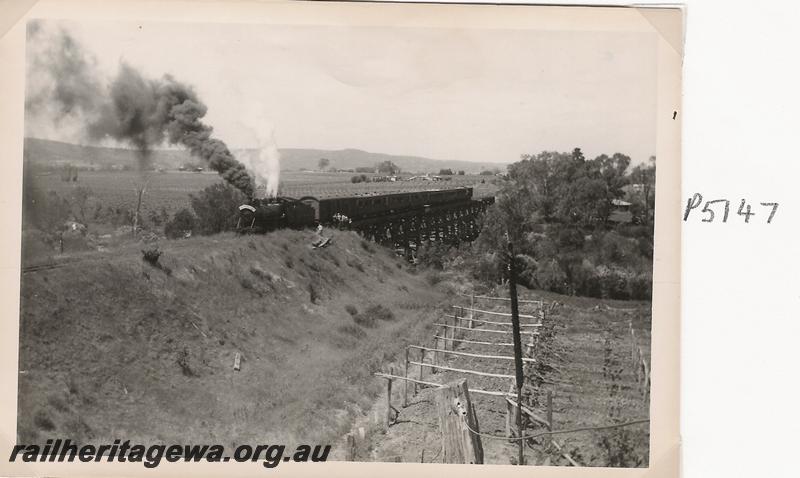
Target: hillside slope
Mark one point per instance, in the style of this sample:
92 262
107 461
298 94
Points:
111 346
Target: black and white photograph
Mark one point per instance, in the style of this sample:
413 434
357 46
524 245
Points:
292 242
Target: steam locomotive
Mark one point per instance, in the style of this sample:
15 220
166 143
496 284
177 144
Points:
263 215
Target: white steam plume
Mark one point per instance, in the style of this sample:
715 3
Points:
268 168
262 158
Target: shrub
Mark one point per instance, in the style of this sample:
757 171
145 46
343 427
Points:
182 224
246 283
364 320
379 312
58 403
351 309
432 254
356 264
488 268
43 421
216 208
151 256
372 314
641 287
434 277
570 238
550 276
367 246
352 330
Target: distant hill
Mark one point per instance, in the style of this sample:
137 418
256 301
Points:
352 158
47 152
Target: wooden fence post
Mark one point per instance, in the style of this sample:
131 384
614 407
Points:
405 382
388 403
449 343
456 420
471 309
639 374
421 368
511 415
633 343
509 420
437 354
550 415
350 451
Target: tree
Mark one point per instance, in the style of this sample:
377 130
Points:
323 163
446 172
555 207
79 203
182 222
216 208
461 172
388 167
643 178
539 178
613 173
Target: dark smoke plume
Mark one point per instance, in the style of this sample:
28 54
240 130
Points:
73 87
133 109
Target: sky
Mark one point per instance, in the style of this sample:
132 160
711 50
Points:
475 95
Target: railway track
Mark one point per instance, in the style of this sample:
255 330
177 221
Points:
43 267
52 265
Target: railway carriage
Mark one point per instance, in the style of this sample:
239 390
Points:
262 215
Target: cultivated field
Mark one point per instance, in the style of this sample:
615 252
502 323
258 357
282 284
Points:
170 190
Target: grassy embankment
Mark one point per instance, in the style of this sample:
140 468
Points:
113 347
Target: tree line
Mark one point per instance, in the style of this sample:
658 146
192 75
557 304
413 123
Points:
580 226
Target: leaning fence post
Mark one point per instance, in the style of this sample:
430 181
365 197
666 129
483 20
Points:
457 420
510 415
550 415
509 412
405 382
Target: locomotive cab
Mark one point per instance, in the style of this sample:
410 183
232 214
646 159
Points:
264 215
260 216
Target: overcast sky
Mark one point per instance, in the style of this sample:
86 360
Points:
477 95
